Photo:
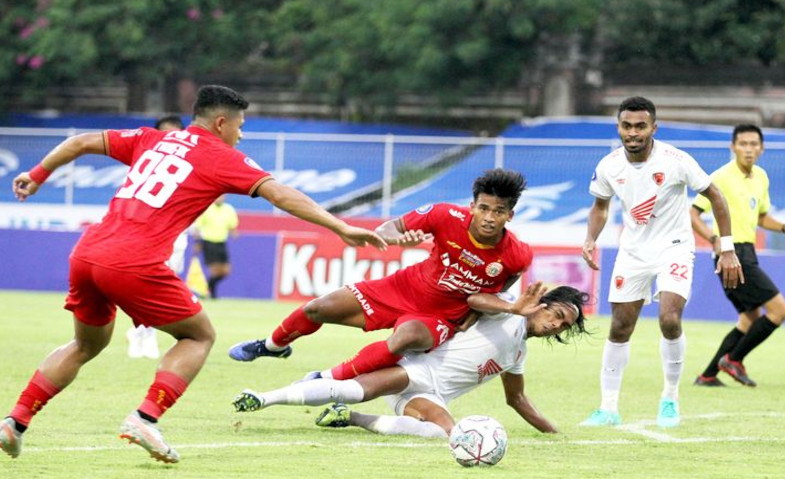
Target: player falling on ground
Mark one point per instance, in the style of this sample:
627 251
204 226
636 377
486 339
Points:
472 253
651 179
174 177
421 385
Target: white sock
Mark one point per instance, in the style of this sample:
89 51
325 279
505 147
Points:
327 373
672 352
315 393
615 357
270 344
396 425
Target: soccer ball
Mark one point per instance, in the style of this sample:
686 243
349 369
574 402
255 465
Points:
478 441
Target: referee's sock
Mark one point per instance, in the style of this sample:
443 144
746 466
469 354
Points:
759 331
728 344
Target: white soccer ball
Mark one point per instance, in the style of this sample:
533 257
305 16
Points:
478 441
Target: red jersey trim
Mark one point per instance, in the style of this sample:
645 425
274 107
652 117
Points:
258 184
105 135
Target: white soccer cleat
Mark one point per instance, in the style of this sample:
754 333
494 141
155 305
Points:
144 433
150 343
134 337
10 438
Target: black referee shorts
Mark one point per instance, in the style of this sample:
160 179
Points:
757 289
215 252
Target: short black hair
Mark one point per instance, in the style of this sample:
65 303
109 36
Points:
216 96
638 103
175 119
746 128
504 184
571 296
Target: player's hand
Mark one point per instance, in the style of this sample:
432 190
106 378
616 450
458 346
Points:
728 265
529 302
354 236
24 186
467 321
589 247
413 238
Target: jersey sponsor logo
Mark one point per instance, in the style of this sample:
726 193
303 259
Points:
471 259
621 181
642 212
461 216
619 281
361 299
494 269
424 209
658 178
252 164
490 368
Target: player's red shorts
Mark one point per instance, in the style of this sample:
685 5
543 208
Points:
153 298
382 310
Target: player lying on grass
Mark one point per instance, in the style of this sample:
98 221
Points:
419 387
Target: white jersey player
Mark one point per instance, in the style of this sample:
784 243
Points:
650 178
421 385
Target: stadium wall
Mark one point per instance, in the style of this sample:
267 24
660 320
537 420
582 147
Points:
297 266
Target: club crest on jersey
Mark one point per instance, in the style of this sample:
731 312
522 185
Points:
494 269
424 209
753 203
658 177
619 280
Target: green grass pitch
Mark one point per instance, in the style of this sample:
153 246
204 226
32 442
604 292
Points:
732 432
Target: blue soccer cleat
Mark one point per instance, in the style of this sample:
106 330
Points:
250 350
601 417
668 415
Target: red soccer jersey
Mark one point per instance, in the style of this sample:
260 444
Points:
458 265
174 177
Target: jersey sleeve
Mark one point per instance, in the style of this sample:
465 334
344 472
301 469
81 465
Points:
600 187
120 144
694 176
701 201
423 218
765 199
240 174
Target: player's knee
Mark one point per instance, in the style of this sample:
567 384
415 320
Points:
410 336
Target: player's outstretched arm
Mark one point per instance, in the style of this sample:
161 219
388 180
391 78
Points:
728 264
702 229
27 183
302 206
598 216
393 232
516 399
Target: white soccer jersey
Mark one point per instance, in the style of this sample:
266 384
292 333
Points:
495 344
653 194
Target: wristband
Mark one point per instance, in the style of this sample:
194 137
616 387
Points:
726 244
39 174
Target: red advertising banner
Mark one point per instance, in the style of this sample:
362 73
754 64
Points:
310 265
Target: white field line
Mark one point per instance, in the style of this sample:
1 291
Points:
638 428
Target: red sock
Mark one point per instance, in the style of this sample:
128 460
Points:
370 358
295 325
163 393
37 393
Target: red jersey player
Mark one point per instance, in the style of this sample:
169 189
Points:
424 303
174 177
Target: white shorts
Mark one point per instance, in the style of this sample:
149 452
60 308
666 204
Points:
422 384
632 278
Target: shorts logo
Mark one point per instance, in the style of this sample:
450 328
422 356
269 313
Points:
494 269
619 280
424 209
658 178
361 299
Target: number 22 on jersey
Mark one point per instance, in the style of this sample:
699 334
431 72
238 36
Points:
154 178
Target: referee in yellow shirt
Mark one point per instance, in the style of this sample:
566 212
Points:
213 228
746 188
